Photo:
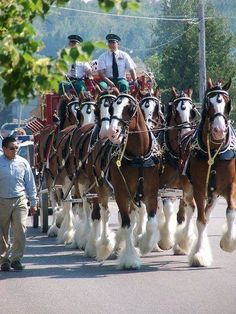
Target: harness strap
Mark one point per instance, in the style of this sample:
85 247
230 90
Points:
211 160
120 157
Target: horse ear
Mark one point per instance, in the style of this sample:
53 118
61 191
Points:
229 107
131 110
209 83
157 92
189 92
193 114
227 85
81 96
174 91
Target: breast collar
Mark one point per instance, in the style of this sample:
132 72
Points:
197 143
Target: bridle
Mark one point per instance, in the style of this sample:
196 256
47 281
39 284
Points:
90 106
145 103
133 107
75 104
109 99
174 103
208 103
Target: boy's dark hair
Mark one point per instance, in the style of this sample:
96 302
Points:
7 140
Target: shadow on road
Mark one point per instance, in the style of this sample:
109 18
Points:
43 258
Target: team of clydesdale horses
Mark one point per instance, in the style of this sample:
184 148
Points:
130 149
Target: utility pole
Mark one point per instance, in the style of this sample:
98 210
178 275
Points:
202 50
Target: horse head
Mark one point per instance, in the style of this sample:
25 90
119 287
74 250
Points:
217 107
68 111
122 111
181 110
87 107
150 105
102 111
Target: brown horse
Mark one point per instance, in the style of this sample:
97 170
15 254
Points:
56 173
134 175
181 113
212 171
78 167
83 145
68 115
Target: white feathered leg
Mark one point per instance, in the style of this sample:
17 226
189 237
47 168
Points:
94 235
167 232
201 252
129 256
119 237
83 230
184 237
79 216
53 230
228 240
66 231
105 245
148 241
141 219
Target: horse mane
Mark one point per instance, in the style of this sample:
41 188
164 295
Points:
62 112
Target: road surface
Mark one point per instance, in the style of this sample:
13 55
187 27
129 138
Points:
58 279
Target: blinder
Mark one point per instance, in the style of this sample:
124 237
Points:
228 106
193 113
132 108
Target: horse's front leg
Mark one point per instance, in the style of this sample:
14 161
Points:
129 255
185 236
167 230
105 245
149 239
95 231
83 228
228 240
140 226
201 252
66 232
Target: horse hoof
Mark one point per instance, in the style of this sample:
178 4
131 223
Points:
156 248
178 250
227 245
164 246
198 260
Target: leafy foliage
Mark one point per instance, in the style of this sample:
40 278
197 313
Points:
23 70
177 64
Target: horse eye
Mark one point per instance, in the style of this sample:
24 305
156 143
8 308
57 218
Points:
119 101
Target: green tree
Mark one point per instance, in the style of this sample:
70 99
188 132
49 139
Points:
23 70
178 63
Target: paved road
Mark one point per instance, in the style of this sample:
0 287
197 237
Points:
58 279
